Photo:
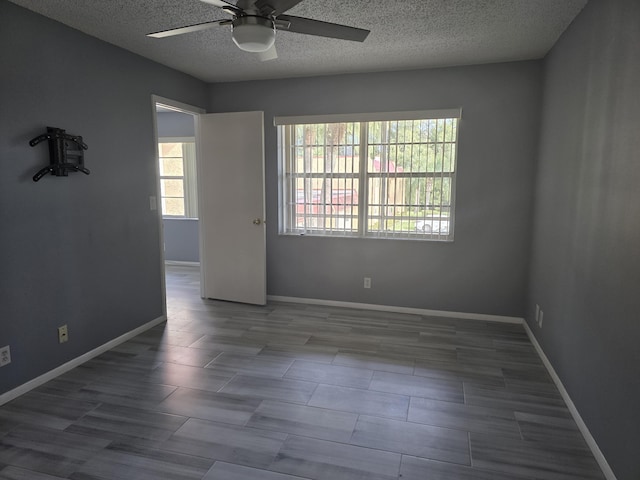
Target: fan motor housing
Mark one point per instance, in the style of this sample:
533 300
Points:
253 33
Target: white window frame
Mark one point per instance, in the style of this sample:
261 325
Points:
427 230
189 178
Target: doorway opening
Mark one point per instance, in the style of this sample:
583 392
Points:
176 167
231 206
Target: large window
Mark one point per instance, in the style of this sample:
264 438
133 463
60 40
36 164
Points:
389 178
178 178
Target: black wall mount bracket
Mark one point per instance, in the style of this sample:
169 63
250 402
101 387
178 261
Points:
66 153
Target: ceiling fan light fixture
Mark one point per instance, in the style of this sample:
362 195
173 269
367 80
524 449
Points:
253 34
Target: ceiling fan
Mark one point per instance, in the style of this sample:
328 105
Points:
254 24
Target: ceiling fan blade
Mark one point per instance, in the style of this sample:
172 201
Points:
321 29
267 55
226 6
275 7
187 29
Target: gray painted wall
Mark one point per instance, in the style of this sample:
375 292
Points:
585 272
78 250
181 237
484 270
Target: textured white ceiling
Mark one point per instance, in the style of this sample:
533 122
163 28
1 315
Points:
405 34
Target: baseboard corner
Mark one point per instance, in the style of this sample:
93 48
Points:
582 426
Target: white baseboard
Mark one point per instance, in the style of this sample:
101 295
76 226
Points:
181 263
591 442
51 374
391 308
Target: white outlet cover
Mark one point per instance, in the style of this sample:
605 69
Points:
63 334
5 356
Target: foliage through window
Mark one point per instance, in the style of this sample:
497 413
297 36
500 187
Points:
177 179
387 179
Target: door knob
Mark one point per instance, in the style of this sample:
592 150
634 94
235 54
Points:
257 221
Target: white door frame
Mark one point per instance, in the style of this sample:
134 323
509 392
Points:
156 203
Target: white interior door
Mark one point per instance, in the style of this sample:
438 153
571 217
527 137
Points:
231 206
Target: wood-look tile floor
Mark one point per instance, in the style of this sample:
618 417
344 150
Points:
230 392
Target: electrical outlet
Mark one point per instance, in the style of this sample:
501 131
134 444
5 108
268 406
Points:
5 356
153 203
367 282
63 334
